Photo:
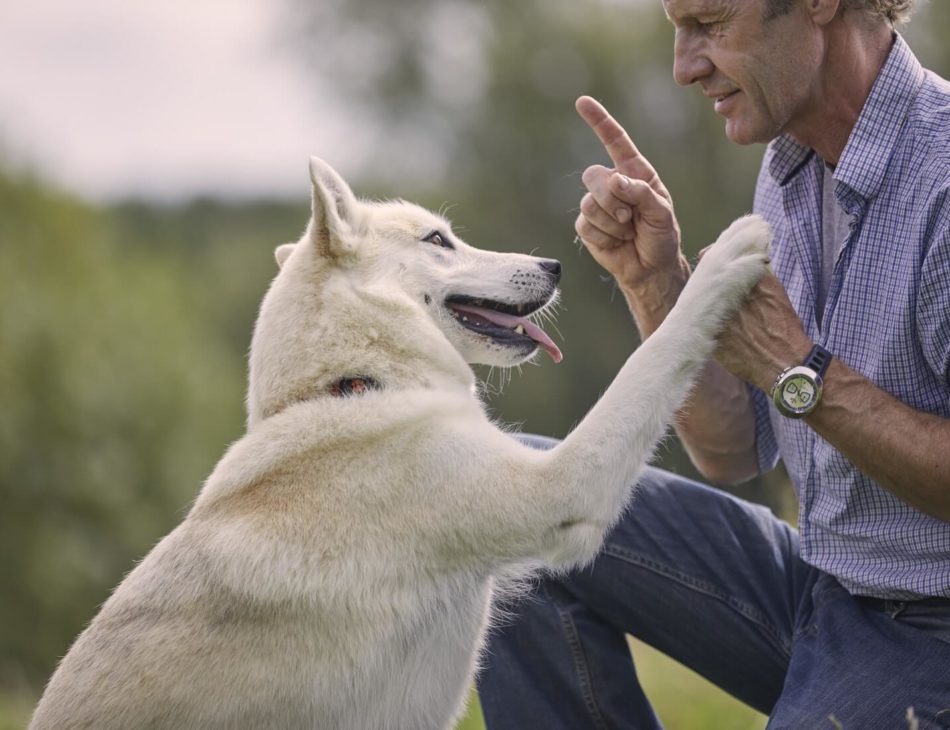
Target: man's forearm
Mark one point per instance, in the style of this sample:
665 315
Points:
906 451
653 300
717 427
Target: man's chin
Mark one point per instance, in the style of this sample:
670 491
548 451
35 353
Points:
741 132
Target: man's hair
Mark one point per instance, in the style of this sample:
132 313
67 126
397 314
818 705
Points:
895 12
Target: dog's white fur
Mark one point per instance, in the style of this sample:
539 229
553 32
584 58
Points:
336 568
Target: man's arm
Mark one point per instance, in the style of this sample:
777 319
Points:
717 427
628 225
905 451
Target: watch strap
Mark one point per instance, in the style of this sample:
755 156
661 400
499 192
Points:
818 360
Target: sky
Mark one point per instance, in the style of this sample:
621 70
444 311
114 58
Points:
168 99
111 98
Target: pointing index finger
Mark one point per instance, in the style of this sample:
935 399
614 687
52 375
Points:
623 152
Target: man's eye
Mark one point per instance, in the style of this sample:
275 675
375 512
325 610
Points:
438 239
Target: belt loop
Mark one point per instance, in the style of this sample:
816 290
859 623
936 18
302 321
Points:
895 608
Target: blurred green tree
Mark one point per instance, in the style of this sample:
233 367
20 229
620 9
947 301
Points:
122 380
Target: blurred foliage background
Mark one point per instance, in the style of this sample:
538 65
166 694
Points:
124 327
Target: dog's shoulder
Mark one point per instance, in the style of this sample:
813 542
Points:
312 438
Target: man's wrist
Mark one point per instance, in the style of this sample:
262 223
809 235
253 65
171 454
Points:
793 357
652 298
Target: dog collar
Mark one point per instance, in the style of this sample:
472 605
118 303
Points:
353 386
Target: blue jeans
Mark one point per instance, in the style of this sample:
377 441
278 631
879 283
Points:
717 584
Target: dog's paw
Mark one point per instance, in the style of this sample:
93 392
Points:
736 262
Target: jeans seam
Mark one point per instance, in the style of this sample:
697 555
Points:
747 611
580 666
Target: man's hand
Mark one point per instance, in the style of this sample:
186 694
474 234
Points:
626 220
765 336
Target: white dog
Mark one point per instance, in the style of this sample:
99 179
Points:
336 568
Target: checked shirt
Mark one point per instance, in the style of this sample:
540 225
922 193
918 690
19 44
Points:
887 316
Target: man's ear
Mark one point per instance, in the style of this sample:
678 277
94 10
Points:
282 252
334 212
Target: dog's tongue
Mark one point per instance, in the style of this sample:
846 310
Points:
509 320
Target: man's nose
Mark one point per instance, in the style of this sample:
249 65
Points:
690 62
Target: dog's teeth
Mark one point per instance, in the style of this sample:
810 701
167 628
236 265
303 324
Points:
520 329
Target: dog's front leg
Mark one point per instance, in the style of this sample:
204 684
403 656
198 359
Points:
604 455
591 472
504 502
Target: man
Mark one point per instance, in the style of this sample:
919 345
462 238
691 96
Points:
850 619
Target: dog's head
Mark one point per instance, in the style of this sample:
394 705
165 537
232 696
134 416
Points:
380 283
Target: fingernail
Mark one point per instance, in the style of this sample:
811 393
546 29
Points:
624 182
622 214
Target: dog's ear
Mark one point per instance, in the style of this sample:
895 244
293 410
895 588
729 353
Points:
282 252
334 211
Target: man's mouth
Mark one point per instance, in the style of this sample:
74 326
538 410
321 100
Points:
505 324
722 100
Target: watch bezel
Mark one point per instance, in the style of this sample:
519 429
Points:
778 389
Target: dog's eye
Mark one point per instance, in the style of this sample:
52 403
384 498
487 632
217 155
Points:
438 239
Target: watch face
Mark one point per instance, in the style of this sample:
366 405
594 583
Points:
798 392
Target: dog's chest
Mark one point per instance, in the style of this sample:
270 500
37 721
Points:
426 664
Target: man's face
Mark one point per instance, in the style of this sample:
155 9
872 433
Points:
759 72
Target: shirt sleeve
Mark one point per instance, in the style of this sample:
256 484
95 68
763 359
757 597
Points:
933 302
766 447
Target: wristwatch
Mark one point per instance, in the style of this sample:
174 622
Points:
797 389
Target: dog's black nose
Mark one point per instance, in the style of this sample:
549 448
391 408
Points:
553 267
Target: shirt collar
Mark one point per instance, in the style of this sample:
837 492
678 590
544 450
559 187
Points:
864 161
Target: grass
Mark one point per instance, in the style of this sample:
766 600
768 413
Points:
683 699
